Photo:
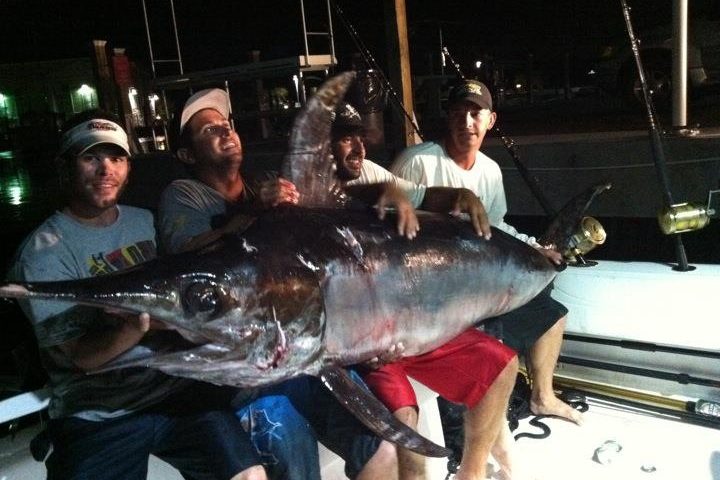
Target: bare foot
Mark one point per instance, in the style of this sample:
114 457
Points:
554 406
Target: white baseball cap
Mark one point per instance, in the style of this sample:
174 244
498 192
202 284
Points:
214 98
86 135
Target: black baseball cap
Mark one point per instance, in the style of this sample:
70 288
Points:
471 91
347 120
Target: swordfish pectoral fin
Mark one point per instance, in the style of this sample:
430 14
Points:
374 415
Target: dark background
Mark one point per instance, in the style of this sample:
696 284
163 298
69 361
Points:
217 33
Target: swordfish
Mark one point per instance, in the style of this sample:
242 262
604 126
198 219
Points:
307 289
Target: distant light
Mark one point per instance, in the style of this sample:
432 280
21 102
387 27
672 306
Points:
16 195
154 97
85 90
132 98
478 64
296 82
14 189
518 86
591 72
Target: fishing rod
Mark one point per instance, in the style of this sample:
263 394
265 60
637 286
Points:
655 141
372 64
455 64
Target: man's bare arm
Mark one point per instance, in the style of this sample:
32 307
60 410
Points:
100 346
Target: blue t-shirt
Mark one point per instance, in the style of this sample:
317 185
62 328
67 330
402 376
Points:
64 249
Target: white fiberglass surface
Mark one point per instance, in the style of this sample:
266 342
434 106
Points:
632 446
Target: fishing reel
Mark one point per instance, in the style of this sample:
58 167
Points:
589 234
688 217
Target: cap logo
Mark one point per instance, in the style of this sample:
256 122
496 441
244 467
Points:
350 113
96 125
472 89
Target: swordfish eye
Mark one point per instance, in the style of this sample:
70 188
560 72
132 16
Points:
202 297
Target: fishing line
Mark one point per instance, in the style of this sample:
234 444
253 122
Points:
373 65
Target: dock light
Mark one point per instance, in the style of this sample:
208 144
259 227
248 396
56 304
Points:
296 82
589 235
153 99
687 217
85 90
132 98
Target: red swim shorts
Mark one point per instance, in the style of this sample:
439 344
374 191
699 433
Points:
461 371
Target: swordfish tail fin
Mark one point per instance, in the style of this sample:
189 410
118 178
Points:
374 415
308 162
567 222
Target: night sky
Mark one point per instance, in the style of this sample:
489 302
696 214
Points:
219 33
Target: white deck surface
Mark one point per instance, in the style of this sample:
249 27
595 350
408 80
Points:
675 450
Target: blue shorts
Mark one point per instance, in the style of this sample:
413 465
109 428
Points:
288 419
334 425
282 437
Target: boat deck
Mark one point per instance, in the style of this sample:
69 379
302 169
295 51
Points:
653 448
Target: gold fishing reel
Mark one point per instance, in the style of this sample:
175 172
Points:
589 235
687 217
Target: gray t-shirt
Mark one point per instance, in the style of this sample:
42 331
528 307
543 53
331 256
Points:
64 249
189 208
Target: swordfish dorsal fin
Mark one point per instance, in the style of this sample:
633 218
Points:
308 162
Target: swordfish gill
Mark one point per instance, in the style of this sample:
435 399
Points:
307 289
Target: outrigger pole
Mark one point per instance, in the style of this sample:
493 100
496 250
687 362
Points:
655 141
